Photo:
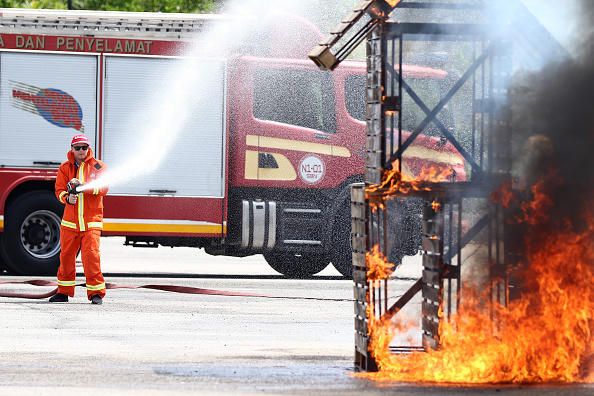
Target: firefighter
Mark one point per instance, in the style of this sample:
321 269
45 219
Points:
82 221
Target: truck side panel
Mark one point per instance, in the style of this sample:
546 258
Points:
179 129
178 186
164 216
44 100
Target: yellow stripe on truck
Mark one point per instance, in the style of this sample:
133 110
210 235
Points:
296 145
164 228
432 155
340 151
285 170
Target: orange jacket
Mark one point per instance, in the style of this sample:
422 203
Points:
87 213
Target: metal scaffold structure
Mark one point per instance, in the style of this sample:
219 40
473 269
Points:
459 102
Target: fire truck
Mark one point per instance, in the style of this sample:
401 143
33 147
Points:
261 165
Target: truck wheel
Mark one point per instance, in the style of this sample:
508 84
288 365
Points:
2 265
31 238
296 265
342 256
404 228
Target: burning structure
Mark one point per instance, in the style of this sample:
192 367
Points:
507 242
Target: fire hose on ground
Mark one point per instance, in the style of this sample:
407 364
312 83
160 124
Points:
167 288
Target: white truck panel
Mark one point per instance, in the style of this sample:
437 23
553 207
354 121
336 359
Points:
45 99
144 101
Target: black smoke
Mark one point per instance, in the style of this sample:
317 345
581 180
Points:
553 128
553 139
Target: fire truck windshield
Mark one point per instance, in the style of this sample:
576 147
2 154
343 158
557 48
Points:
303 98
429 90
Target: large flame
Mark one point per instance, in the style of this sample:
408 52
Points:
396 182
378 267
545 336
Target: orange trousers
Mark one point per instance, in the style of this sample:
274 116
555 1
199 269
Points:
88 243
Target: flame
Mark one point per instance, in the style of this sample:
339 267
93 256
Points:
504 195
392 3
378 267
435 205
537 210
394 181
545 336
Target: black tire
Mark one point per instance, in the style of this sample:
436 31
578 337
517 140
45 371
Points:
404 235
404 228
296 265
2 265
342 256
31 239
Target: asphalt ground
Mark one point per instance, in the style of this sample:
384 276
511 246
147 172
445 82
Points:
153 342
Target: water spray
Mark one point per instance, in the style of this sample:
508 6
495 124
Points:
176 96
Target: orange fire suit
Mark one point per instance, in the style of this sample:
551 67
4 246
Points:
81 225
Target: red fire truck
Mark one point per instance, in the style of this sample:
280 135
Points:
262 164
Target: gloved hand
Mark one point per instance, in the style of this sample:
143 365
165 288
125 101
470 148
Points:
72 184
72 199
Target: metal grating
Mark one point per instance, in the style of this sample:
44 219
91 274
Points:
464 53
460 227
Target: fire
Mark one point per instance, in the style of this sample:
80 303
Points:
393 3
378 267
435 205
545 336
537 210
503 195
394 181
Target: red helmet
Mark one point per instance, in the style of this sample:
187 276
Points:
80 139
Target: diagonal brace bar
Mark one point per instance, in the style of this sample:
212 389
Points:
418 285
403 300
448 135
431 116
469 235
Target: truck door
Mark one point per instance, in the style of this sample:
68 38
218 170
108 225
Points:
291 126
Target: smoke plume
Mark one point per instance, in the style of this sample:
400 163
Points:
553 127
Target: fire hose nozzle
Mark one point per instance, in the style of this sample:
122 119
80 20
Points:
73 185
71 189
74 189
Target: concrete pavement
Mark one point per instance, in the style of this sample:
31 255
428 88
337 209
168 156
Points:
152 342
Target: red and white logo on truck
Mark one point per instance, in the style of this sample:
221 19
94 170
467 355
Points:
54 105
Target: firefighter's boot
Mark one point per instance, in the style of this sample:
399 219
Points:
95 299
58 297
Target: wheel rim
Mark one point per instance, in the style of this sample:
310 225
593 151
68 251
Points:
40 234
